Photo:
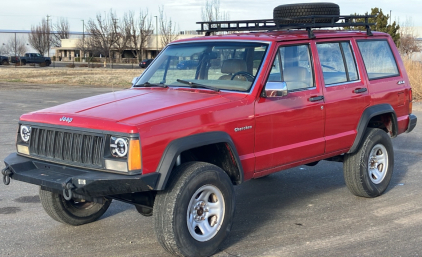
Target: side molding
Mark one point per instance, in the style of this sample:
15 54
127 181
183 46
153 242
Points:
177 146
367 115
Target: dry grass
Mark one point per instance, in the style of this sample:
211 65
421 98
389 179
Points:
414 71
84 76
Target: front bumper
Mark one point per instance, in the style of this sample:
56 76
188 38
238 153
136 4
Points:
56 177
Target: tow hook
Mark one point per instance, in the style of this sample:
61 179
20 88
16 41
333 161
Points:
67 189
6 172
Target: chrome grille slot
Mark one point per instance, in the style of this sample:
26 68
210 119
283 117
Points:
76 148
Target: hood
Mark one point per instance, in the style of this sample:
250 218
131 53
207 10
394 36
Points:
126 106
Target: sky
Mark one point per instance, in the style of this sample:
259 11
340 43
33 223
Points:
21 14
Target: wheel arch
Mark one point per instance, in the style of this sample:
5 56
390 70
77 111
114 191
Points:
205 141
377 116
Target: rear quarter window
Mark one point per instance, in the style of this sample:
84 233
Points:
378 58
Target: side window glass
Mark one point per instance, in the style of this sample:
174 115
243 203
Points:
296 67
275 74
378 58
332 63
350 61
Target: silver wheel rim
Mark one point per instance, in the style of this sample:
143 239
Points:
205 213
378 164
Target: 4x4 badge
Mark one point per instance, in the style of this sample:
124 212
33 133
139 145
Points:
66 119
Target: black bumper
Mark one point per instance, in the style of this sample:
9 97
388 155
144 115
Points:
412 122
89 183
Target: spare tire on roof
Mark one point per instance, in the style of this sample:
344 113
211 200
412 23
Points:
305 9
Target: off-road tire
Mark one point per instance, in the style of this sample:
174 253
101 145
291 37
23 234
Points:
357 166
305 9
5 62
171 211
23 62
47 63
71 212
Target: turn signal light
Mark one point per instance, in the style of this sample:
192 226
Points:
134 158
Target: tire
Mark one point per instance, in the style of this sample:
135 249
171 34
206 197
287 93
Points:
47 63
71 212
299 10
181 212
366 176
23 62
4 62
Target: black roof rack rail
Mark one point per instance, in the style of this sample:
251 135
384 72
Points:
337 21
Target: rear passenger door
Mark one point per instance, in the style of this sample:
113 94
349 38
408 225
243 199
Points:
345 93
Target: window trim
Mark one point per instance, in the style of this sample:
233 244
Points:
392 53
312 66
346 68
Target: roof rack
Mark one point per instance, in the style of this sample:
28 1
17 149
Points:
337 21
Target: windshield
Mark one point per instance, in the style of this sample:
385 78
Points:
218 65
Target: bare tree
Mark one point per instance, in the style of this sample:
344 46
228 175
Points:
124 38
103 33
60 31
408 42
15 47
211 11
168 29
3 50
40 37
140 31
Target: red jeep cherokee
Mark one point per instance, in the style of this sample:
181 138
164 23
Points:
256 103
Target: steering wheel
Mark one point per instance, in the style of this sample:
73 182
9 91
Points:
245 74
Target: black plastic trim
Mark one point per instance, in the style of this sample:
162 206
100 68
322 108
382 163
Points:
177 146
93 183
413 120
370 112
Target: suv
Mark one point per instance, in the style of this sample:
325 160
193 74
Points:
176 142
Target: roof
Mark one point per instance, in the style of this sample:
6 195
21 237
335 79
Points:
284 35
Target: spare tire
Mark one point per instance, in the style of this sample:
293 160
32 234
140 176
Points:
305 9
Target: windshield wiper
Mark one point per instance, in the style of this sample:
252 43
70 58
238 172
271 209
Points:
147 84
197 85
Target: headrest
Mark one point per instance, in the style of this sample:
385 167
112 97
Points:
295 74
233 66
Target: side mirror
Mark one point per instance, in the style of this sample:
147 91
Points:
134 80
275 89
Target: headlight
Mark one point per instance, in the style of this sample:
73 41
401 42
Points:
119 146
25 132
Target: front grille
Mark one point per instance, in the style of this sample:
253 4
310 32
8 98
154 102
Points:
76 148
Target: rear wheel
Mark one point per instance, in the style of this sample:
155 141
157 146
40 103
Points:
368 171
5 62
73 212
23 62
194 215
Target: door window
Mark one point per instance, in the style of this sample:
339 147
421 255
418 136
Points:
337 62
293 65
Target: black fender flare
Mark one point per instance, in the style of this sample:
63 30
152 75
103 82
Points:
367 115
177 146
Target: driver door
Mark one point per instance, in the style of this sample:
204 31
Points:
290 128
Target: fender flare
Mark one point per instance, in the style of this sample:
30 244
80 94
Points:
177 146
367 115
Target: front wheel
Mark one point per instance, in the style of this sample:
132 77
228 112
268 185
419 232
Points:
194 215
73 212
368 171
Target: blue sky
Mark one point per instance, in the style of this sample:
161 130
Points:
21 14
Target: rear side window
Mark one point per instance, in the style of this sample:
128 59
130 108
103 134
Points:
337 62
378 58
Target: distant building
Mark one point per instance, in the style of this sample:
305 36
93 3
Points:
70 48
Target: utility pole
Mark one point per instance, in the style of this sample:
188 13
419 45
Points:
390 17
48 43
83 38
156 35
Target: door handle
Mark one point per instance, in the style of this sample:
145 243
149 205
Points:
360 90
316 98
